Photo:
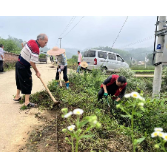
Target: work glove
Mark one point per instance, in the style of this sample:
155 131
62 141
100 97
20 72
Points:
59 70
105 95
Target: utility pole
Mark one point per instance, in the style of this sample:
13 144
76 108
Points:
158 58
60 41
146 61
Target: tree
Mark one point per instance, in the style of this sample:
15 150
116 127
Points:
10 45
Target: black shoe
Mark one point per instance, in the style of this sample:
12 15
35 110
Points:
17 99
31 105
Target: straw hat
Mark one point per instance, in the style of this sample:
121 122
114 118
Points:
55 51
84 64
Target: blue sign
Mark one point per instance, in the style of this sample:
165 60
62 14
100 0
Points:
159 46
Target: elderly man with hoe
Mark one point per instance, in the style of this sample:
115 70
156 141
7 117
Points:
115 86
28 57
62 63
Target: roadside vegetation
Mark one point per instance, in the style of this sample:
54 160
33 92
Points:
125 127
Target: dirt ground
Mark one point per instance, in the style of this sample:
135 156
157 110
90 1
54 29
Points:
15 124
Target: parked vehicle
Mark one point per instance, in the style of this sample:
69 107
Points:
43 57
98 59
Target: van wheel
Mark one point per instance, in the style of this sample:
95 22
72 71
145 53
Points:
104 69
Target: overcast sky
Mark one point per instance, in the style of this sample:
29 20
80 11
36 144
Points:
91 31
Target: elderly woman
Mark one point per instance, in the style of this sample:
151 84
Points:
62 63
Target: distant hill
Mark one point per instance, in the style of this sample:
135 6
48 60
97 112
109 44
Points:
137 53
45 49
70 52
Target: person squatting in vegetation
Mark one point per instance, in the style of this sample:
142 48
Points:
62 64
28 57
115 86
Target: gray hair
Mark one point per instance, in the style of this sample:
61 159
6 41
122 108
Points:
41 36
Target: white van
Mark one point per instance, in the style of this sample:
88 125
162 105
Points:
109 61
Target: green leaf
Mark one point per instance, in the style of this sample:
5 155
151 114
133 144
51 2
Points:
83 123
138 114
126 116
138 141
86 136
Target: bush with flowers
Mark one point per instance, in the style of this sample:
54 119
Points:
79 129
161 139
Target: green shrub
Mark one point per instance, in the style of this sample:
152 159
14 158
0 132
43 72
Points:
83 94
9 65
42 55
141 67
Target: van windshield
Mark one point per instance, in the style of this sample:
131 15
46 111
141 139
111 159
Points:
89 53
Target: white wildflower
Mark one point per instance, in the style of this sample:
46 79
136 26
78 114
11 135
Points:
135 95
68 114
78 111
154 134
160 134
158 129
127 95
71 128
165 136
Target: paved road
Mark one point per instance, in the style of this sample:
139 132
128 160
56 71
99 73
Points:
14 123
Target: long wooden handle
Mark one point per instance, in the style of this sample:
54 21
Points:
60 79
54 100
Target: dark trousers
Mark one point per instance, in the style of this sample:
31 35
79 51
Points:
23 78
1 66
101 93
64 74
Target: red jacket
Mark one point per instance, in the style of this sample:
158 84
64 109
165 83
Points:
113 79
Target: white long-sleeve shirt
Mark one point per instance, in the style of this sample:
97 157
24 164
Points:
1 53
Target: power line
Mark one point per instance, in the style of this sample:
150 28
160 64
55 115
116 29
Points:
120 31
73 27
139 41
68 25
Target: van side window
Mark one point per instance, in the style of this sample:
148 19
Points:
85 54
111 56
119 58
91 53
102 55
